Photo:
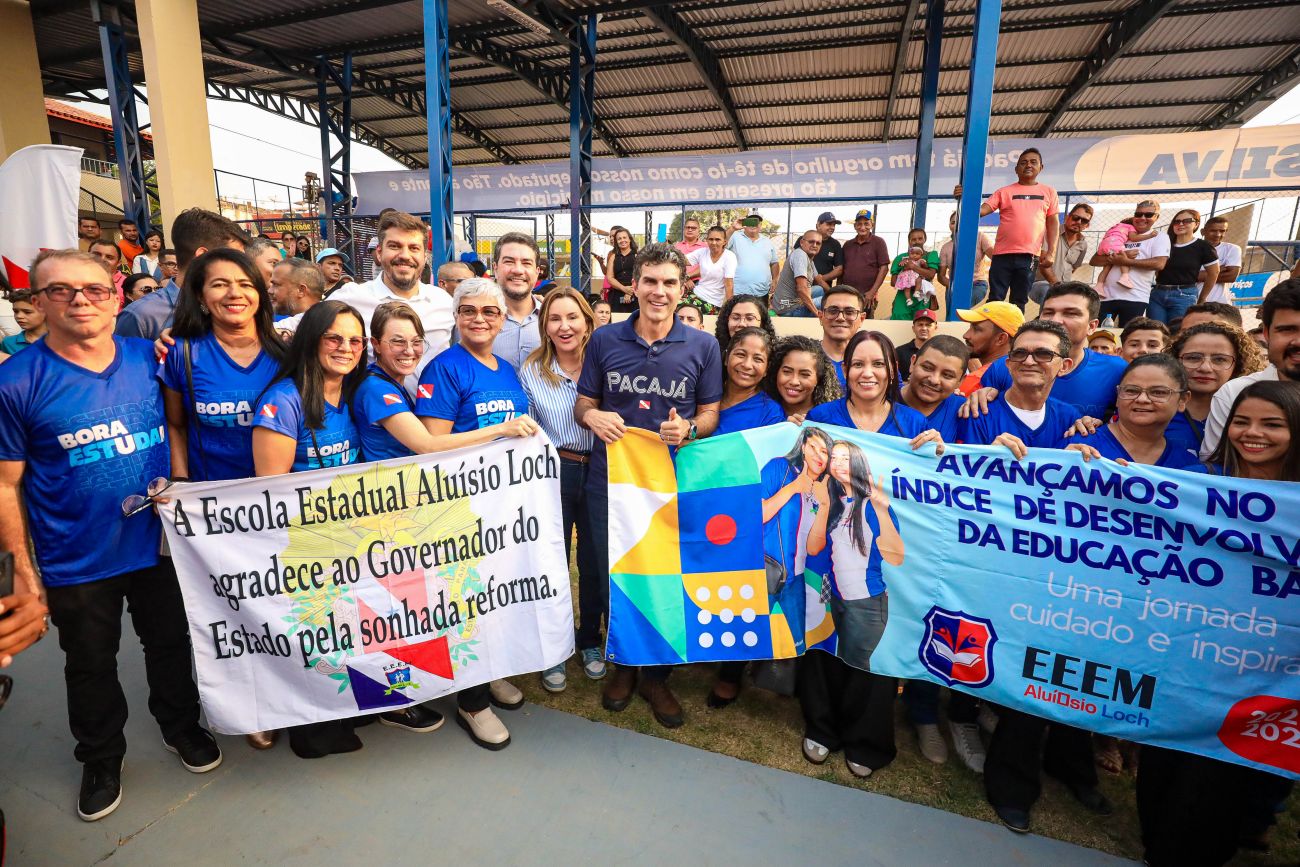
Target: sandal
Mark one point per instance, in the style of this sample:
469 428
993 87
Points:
1108 755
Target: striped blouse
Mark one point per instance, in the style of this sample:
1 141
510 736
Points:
552 407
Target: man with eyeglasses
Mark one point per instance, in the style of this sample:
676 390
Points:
85 429
1088 383
401 252
795 293
841 315
168 265
1071 252
1129 302
450 275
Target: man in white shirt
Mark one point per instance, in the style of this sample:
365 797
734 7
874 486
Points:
1280 315
401 254
1127 303
1229 262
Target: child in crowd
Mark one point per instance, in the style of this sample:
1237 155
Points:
29 319
1113 242
917 293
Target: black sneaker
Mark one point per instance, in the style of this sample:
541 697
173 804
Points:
101 789
416 718
198 750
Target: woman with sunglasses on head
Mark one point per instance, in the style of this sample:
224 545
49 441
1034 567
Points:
745 406
1177 285
1194 809
742 311
225 354
468 388
550 379
302 248
800 375
303 423
1212 353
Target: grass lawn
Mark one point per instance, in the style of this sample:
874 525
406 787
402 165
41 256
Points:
765 728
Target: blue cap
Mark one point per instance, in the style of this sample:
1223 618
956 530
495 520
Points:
331 251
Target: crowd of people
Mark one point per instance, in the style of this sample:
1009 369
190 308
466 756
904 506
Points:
274 364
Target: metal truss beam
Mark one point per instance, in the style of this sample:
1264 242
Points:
138 200
334 108
705 63
582 124
442 212
1118 39
1265 86
900 62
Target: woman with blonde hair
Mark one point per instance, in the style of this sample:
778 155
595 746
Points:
550 379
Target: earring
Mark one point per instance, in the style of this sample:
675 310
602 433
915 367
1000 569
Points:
203 310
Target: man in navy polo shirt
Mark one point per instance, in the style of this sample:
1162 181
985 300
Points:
649 371
84 428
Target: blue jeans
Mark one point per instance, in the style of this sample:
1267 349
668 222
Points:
1170 302
921 697
1011 273
593 586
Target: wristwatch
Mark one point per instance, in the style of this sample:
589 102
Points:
690 437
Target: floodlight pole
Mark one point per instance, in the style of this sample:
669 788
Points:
582 119
929 100
437 100
127 140
336 153
979 99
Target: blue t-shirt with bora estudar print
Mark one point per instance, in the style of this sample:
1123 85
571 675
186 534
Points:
459 388
220 419
89 440
334 444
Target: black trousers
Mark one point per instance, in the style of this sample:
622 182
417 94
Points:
1194 809
846 708
593 580
89 619
1123 311
1017 753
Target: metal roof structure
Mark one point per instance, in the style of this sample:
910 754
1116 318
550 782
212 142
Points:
724 75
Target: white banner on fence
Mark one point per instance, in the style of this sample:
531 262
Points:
354 590
1227 159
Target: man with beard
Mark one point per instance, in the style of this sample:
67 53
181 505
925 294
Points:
992 325
296 286
514 266
1280 315
401 253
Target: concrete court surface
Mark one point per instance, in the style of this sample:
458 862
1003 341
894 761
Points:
566 791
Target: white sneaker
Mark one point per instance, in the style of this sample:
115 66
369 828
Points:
555 679
484 728
970 749
931 743
814 752
506 695
859 771
988 718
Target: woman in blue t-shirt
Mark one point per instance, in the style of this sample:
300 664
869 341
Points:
468 388
800 375
384 410
225 353
1152 391
303 423
1176 790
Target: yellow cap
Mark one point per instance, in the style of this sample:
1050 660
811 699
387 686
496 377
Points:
1006 316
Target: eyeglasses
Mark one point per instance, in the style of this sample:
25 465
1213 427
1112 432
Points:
469 311
1218 362
63 293
841 313
1080 219
144 290
1156 393
332 341
400 345
1182 221
136 503
1149 215
168 264
1042 356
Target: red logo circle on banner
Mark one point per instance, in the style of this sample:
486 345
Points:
720 529
1265 729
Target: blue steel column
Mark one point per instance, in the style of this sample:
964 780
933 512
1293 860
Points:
582 118
336 174
126 125
929 100
550 242
983 65
437 104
